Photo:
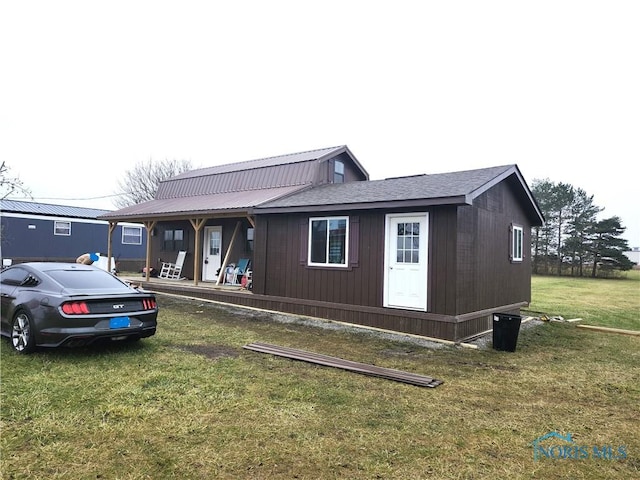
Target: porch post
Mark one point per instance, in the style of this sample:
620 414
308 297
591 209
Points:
197 224
149 225
112 227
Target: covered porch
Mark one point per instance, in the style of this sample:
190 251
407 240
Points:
212 242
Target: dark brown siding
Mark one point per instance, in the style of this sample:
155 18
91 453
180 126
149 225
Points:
470 273
282 256
412 322
486 275
351 172
441 295
285 272
159 255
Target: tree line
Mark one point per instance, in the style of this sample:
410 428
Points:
573 241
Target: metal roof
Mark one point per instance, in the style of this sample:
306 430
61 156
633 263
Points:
236 187
273 172
278 160
51 210
268 177
217 203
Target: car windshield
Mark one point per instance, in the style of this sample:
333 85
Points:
86 279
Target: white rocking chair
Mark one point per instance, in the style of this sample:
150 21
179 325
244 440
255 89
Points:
173 270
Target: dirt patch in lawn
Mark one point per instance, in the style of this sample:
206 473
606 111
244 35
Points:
211 351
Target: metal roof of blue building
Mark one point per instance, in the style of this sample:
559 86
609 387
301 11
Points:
48 209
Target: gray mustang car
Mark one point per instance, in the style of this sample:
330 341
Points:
69 304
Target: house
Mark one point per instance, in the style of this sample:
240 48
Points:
432 255
633 255
34 231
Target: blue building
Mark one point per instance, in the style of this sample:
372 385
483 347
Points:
33 231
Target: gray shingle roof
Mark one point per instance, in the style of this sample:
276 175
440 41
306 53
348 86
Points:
454 187
47 209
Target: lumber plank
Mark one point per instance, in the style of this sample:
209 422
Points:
335 362
610 330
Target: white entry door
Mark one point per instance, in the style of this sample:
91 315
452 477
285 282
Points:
211 253
405 277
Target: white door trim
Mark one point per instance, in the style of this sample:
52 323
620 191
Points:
405 283
210 264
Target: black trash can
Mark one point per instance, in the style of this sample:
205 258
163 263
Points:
506 327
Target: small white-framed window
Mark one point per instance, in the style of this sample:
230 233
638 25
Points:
62 227
131 235
328 241
517 237
338 171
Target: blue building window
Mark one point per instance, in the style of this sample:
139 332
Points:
132 235
61 227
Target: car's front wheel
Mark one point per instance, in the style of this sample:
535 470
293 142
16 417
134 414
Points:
22 334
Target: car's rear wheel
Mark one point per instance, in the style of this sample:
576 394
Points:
22 334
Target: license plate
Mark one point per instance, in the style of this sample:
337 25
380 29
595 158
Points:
119 322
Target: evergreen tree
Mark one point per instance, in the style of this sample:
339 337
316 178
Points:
579 230
563 196
572 236
541 237
608 248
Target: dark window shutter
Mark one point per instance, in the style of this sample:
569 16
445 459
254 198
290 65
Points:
354 241
511 242
304 240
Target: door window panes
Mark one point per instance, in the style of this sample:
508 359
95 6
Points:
408 243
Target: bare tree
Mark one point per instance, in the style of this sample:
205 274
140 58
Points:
11 185
141 182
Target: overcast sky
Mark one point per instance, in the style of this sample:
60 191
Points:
88 89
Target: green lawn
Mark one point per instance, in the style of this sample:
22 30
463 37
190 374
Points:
605 302
191 403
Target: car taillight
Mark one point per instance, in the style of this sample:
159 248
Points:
75 308
149 303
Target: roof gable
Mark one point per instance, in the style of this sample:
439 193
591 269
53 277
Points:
278 160
238 187
296 169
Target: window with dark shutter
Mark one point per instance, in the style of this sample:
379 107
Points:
516 243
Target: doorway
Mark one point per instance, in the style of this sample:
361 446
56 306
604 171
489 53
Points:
405 275
212 253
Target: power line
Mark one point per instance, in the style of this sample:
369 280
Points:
67 199
77 199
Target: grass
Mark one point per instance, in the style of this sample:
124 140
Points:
190 403
609 303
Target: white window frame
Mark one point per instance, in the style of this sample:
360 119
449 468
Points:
327 256
517 243
125 235
62 228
